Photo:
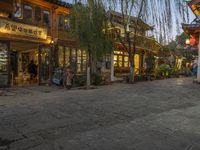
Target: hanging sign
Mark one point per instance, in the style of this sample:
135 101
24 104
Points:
15 28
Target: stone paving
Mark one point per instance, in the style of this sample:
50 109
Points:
154 115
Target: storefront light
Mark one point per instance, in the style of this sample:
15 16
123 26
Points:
52 42
187 41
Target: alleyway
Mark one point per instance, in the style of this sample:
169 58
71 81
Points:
155 115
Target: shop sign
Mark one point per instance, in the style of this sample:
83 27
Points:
15 28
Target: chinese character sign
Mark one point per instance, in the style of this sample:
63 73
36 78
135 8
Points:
15 28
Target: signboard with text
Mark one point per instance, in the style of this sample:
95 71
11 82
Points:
15 28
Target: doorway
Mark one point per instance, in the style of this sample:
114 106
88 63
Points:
22 53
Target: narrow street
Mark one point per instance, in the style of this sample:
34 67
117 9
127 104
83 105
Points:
154 115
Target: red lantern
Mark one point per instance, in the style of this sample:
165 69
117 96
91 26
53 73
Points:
192 41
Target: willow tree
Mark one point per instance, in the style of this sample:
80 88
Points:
155 12
88 24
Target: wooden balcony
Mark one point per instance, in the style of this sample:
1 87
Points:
147 43
65 36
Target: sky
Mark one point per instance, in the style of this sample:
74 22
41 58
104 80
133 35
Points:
174 28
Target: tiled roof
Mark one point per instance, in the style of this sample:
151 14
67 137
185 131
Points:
60 3
115 13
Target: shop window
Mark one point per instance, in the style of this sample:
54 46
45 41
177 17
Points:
3 58
67 56
126 61
115 60
28 13
84 61
46 20
73 53
3 64
66 23
79 60
61 56
137 63
38 13
73 60
120 61
63 23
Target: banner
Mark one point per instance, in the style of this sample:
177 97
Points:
15 28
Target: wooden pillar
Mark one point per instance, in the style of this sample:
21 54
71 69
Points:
198 71
51 62
112 67
9 64
39 64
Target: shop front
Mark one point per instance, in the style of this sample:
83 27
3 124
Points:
69 55
4 63
19 45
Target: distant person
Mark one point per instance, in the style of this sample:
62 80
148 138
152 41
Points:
195 67
32 70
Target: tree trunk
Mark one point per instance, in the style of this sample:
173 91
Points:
88 70
132 72
88 77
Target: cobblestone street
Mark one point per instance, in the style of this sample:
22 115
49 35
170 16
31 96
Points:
154 115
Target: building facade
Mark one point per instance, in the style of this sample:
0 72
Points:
35 30
193 29
145 46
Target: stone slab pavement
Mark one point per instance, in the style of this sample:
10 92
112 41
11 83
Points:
154 115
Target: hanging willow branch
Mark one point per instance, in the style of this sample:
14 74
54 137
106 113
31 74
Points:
165 15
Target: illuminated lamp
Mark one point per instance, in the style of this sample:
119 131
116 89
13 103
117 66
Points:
187 41
52 42
192 41
196 12
193 7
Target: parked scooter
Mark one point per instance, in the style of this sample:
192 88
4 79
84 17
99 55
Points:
63 77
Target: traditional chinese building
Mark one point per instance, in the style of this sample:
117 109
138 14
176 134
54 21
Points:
144 46
193 29
35 30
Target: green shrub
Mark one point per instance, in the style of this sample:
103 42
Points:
80 80
96 79
163 70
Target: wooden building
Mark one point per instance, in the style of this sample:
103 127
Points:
144 46
193 29
35 30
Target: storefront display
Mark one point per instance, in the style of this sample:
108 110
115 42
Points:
3 64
